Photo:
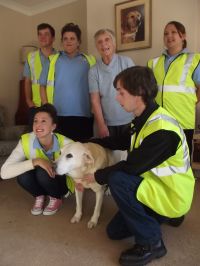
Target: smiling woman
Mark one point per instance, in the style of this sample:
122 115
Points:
32 162
109 116
43 126
178 76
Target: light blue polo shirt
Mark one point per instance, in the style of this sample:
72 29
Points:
44 60
101 77
170 58
71 90
49 153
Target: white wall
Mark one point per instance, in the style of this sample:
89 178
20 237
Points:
101 14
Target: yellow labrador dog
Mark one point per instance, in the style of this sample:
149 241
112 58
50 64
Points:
131 26
77 160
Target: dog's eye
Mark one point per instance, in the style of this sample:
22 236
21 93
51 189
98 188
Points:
69 155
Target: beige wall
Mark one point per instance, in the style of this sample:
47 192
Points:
58 17
102 14
14 30
197 23
17 30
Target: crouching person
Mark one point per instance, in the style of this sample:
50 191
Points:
155 184
32 162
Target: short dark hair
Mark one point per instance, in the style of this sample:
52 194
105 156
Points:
138 81
43 26
71 27
49 109
180 28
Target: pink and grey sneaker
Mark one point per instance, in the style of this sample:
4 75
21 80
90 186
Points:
38 205
53 206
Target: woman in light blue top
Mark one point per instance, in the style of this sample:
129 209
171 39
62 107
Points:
177 72
31 162
109 116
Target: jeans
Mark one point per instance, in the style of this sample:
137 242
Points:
37 182
133 218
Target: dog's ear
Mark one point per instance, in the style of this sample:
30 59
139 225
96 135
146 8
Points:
88 159
61 150
64 147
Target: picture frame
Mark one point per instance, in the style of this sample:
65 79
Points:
133 25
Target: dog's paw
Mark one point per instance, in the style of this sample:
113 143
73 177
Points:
91 224
75 219
107 192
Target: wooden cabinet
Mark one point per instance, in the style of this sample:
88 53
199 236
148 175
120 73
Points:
21 116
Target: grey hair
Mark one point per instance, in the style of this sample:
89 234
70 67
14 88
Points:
103 31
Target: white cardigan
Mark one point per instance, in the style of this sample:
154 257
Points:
17 164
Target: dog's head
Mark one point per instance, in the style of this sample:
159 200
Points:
74 160
133 19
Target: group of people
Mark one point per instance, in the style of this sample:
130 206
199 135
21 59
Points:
148 111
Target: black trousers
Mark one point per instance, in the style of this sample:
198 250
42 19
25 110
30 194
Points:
37 182
75 127
117 131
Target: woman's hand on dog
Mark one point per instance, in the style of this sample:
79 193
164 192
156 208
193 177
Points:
46 165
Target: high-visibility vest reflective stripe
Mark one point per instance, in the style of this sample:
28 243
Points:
51 74
90 58
36 69
167 188
31 153
176 89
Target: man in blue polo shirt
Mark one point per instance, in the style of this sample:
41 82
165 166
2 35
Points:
69 86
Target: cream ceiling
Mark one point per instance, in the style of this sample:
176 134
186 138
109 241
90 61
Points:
33 7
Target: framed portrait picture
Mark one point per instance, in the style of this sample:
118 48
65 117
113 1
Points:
133 24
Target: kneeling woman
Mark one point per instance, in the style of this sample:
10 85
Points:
31 162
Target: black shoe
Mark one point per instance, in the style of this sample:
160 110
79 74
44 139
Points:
140 255
176 221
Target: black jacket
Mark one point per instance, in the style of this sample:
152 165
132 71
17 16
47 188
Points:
154 149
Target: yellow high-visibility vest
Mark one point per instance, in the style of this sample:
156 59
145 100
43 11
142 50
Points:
176 89
51 74
31 153
168 188
35 64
